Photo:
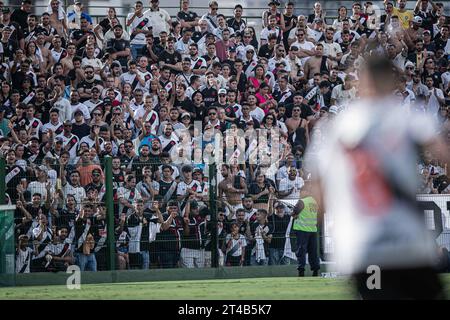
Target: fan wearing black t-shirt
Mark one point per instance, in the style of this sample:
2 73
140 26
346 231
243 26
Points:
171 58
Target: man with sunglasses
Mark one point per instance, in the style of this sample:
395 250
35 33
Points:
211 16
85 87
279 56
96 182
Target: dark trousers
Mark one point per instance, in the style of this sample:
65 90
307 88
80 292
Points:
417 283
233 261
168 259
307 244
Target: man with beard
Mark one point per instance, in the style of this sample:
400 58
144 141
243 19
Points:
232 188
168 138
119 48
84 87
170 58
75 105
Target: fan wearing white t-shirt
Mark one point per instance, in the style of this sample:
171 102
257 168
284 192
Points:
290 187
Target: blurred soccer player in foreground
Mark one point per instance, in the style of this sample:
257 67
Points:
367 180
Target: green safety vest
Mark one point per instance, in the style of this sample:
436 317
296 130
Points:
307 219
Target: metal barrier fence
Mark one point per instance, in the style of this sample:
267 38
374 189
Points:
171 232
56 201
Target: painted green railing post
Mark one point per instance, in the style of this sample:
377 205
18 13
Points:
213 208
111 261
2 181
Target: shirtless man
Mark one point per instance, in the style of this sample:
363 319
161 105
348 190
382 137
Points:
295 122
227 187
60 25
45 52
314 64
67 61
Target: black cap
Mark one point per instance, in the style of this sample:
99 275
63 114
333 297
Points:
118 26
6 10
107 101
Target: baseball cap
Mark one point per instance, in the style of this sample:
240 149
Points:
59 139
280 205
318 20
333 109
42 168
409 63
185 114
6 10
6 29
417 19
67 122
118 26
222 91
426 31
78 111
196 169
107 100
232 49
96 170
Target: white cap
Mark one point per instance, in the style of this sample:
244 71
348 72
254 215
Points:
222 91
250 47
333 109
417 19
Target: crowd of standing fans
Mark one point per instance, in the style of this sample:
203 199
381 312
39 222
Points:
75 92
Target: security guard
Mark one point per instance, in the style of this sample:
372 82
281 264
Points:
305 214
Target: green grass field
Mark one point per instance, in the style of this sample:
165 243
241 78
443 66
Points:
233 289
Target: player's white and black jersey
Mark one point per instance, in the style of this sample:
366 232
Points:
194 185
141 232
35 125
152 118
235 247
78 192
58 56
147 76
23 260
131 195
91 142
91 105
195 240
198 63
71 142
57 128
167 143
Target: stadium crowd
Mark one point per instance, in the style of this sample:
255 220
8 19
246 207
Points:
74 92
